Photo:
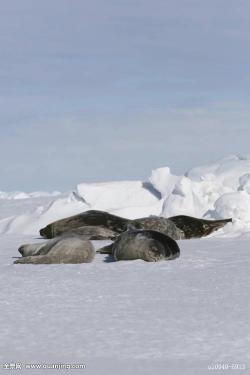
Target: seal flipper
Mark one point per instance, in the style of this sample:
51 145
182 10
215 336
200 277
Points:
108 249
105 249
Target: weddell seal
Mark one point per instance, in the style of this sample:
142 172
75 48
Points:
147 245
196 228
94 225
92 233
158 224
65 249
92 218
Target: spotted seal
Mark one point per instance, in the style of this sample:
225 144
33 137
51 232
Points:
148 245
71 249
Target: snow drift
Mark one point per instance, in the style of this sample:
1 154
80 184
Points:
23 195
218 190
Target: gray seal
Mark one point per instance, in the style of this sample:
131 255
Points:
148 245
71 249
94 225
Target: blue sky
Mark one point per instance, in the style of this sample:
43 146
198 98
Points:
106 90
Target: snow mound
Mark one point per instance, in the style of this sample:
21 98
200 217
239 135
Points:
130 199
217 190
163 181
23 195
115 195
41 215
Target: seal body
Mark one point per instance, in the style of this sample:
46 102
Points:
93 233
70 249
100 225
91 218
159 224
147 245
95 225
195 228
40 248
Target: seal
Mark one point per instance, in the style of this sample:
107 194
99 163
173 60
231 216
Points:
95 225
93 233
193 227
71 249
89 218
148 245
159 224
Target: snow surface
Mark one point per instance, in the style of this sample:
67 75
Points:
131 317
176 317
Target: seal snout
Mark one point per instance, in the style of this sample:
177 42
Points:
21 250
46 232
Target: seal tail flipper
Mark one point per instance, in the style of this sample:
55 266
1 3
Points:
230 220
219 223
105 250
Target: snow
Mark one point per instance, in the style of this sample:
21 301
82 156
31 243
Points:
37 212
163 181
199 190
23 195
131 317
217 190
126 198
164 318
